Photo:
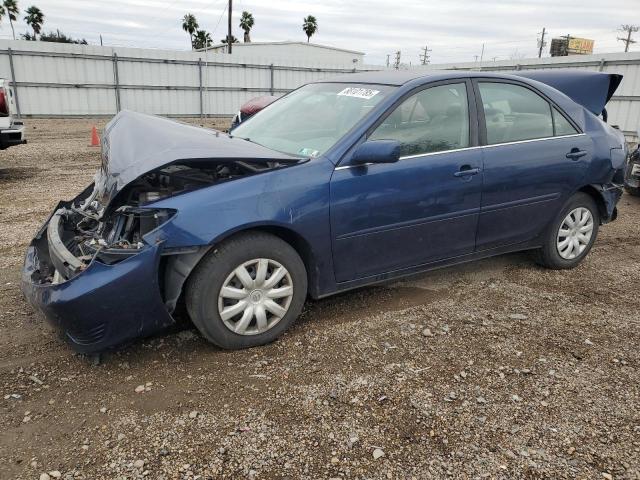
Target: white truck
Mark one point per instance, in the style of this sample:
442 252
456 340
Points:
11 130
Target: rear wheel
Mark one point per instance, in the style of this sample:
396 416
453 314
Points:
571 236
247 291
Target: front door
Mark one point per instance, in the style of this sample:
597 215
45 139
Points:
424 208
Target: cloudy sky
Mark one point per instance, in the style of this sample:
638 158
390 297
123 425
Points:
453 29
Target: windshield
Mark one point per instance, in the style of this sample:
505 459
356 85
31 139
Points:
310 120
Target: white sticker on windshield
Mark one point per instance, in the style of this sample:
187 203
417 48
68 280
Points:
365 93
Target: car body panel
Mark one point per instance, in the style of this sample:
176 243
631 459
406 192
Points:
403 214
105 305
135 143
523 182
352 225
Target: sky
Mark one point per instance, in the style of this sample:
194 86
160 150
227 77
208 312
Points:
454 30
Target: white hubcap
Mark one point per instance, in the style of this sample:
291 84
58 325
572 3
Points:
255 296
575 233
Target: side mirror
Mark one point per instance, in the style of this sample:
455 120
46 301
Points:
376 151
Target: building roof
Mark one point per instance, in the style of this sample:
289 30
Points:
306 44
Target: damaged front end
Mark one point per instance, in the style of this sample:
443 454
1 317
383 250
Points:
83 230
97 268
94 272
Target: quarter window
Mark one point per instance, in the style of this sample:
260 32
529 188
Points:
433 120
514 113
562 125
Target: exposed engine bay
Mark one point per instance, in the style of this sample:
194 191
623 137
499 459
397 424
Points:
86 229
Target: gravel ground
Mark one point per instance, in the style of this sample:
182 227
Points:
496 369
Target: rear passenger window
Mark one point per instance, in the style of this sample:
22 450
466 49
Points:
433 120
562 125
513 113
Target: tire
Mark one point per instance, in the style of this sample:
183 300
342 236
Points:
255 252
633 191
554 257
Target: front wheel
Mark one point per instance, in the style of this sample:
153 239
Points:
247 291
571 236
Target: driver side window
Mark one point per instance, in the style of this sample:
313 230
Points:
433 120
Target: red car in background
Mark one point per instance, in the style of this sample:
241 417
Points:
252 107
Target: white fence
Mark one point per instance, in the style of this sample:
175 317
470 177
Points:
75 80
624 107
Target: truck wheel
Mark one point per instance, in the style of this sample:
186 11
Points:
571 235
247 291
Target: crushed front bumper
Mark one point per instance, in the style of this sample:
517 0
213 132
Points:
102 306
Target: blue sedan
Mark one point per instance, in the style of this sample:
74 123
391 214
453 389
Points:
339 184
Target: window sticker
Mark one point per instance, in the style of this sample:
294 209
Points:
308 152
364 93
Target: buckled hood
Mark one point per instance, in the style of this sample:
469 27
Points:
590 89
134 144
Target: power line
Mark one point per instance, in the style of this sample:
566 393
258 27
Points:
629 29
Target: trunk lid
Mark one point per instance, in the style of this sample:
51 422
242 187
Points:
590 89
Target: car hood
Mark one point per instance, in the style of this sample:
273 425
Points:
134 144
592 90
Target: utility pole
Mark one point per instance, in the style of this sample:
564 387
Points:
397 64
388 59
475 58
229 35
541 42
566 47
424 56
100 39
482 53
629 29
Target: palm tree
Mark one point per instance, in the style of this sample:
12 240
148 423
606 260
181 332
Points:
201 39
310 26
190 25
35 19
11 8
246 24
225 40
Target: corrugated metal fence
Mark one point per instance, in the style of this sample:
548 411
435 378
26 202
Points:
624 107
73 80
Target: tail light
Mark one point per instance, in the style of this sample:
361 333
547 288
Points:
4 104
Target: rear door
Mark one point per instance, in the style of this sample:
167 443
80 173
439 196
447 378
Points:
534 158
424 208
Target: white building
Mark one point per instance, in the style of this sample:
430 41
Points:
302 51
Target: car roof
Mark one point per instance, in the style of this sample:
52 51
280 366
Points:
395 77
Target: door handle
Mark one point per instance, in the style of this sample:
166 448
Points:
575 154
466 170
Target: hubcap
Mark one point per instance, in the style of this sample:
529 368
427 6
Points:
255 296
575 233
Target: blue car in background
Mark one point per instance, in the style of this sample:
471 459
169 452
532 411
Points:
339 184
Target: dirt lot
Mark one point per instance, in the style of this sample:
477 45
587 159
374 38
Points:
497 369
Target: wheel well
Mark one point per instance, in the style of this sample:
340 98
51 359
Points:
176 269
597 197
299 244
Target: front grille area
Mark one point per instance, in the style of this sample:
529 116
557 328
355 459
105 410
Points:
87 337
